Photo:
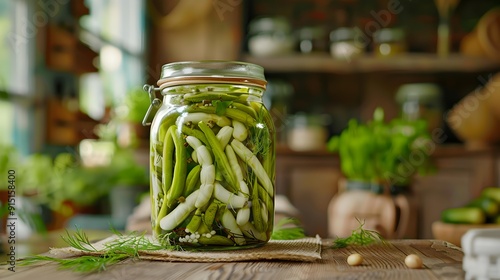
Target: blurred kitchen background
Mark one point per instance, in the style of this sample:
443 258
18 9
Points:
71 99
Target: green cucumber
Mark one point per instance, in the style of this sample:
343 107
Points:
463 215
489 206
492 192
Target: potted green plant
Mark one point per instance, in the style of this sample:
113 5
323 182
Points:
129 181
40 187
382 154
376 158
136 105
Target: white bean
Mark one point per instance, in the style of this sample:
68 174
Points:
230 199
193 142
224 135
204 157
204 195
207 174
243 216
413 261
229 223
355 259
240 131
180 213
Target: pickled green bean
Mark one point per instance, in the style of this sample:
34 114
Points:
245 154
269 202
195 133
168 149
258 221
220 156
210 213
180 168
230 112
195 222
192 180
215 240
245 108
198 97
269 160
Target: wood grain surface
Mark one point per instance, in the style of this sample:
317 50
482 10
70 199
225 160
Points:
441 260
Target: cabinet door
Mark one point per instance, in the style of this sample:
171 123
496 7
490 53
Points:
309 182
457 181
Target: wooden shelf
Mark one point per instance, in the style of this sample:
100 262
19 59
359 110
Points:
409 63
448 150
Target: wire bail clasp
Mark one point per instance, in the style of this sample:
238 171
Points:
153 107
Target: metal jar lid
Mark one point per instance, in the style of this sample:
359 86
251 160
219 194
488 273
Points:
214 71
203 72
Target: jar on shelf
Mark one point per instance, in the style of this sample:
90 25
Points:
270 36
307 132
421 101
345 43
389 41
212 156
312 39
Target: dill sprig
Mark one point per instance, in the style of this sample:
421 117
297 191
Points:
261 138
79 241
359 237
121 248
283 230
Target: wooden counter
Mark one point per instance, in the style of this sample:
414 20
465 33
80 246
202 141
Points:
441 260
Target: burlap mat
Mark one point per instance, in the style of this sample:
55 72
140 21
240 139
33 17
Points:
304 249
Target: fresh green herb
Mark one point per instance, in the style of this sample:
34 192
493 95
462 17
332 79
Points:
261 137
379 152
359 237
123 247
287 229
79 241
221 107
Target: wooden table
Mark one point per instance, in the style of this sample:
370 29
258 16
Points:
442 260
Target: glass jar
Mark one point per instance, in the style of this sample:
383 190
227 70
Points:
421 101
212 156
345 43
270 36
312 39
389 41
307 132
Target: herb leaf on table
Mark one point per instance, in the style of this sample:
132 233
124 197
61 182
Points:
359 237
123 247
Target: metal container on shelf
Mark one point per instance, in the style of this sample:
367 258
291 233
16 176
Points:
212 156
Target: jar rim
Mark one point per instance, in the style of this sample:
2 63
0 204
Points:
212 71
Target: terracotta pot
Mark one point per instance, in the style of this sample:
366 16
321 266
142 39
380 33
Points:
388 215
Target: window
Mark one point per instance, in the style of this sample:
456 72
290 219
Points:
116 29
16 53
